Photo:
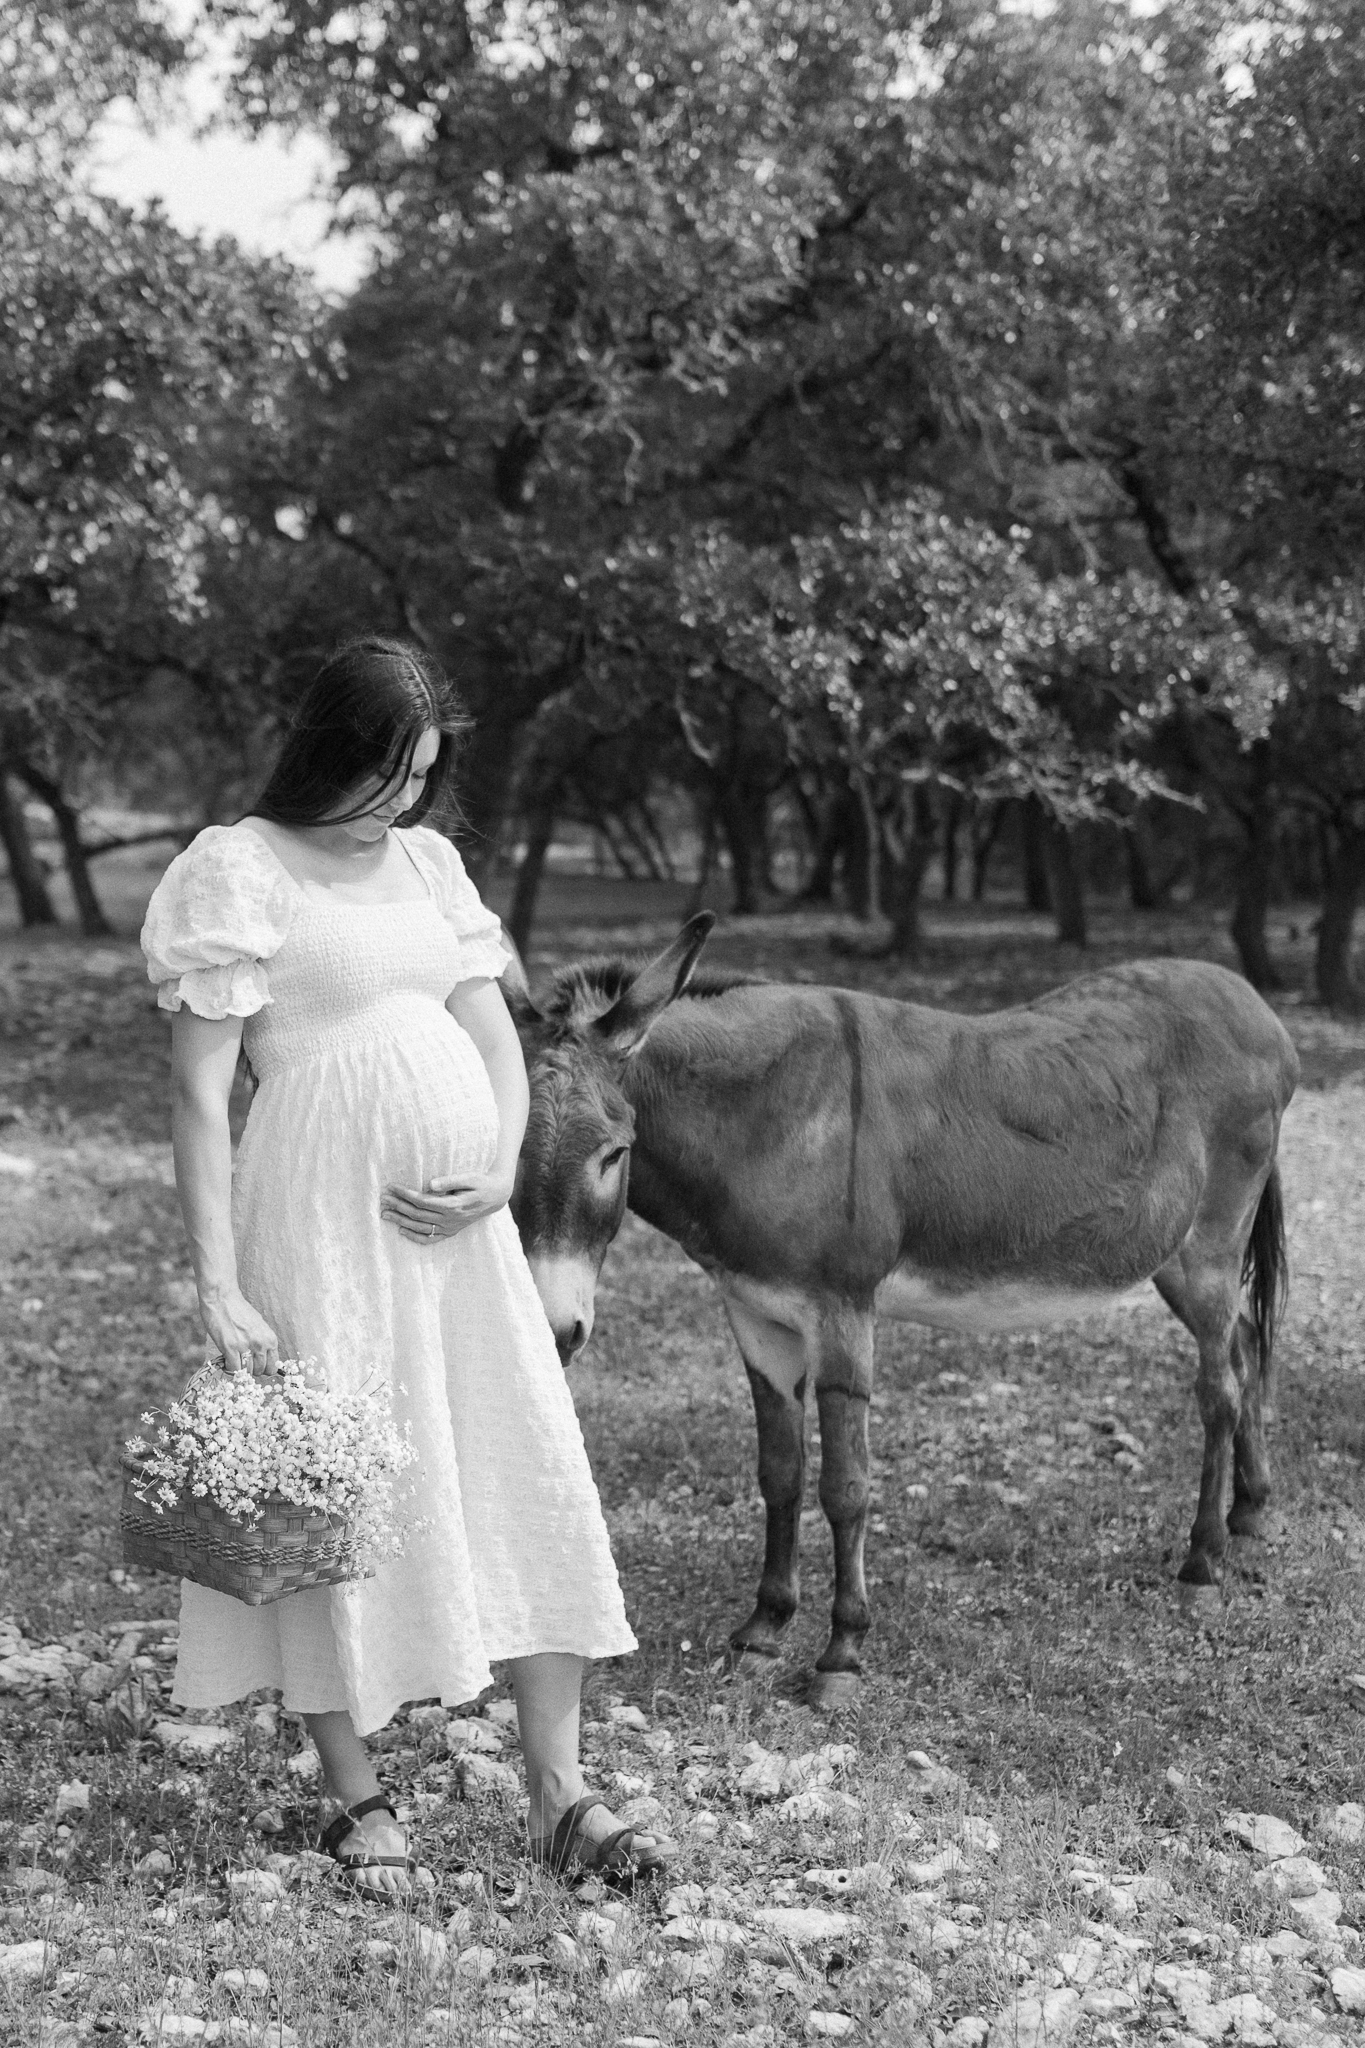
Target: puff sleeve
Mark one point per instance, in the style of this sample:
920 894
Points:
484 953
219 913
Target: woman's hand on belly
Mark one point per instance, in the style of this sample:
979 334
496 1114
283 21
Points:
444 1207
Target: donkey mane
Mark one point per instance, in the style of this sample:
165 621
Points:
590 987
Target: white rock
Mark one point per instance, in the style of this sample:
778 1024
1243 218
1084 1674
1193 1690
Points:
170 2026
1037 2022
802 1924
16 1167
629 1717
503 1712
946 1937
156 1863
73 1797
980 1836
562 1951
1297 1877
306 1767
853 1883
820 1803
684 1898
476 1963
686 1971
968 2032
25 1962
1287 1947
936 1868
244 1983
1313 1916
1108 2004
762 1779
468 1734
623 1987
704 1826
1183 1984
480 1777
1348 1989
829 2026
1347 1824
1265 1833
193 1742
255 1884
704 1933
431 1949
597 1929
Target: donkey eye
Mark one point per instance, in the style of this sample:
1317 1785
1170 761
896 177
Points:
612 1158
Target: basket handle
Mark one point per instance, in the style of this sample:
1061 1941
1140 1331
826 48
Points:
220 1364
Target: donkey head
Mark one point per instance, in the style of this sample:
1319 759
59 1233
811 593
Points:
570 1192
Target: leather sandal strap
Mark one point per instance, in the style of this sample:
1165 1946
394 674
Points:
562 1840
380 1802
336 1831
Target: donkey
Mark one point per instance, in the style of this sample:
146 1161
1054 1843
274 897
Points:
829 1156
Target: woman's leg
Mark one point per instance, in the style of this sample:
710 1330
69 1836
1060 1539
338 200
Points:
547 1691
350 1778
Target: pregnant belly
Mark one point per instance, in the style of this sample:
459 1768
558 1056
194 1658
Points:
407 1104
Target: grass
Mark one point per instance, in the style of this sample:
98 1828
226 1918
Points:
1021 1555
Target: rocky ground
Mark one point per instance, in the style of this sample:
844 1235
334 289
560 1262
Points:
1057 1814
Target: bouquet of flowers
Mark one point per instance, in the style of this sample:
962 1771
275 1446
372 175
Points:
262 1486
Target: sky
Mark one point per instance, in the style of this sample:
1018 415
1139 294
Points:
261 191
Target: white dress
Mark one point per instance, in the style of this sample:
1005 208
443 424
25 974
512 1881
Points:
366 1079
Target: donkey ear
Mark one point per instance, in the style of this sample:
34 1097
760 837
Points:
627 1022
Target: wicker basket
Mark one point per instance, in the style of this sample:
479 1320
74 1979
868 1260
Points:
286 1551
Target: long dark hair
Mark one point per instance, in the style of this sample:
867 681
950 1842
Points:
361 717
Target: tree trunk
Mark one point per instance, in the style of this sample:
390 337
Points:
1255 875
863 861
952 821
30 883
540 830
741 820
828 842
706 859
1344 862
907 876
1142 890
984 837
1033 846
1064 876
94 923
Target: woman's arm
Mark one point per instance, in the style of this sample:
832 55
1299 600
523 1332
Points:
480 1008
203 1061
448 1206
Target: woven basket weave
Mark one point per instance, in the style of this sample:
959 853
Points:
286 1551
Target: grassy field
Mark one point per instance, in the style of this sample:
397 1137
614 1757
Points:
1023 1827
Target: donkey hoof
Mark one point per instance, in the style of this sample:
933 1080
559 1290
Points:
1201 1606
1257 1525
830 1691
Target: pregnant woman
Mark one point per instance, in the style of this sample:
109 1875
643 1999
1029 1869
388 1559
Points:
338 940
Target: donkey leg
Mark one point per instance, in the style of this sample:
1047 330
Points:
774 1359
843 1391
1205 1297
1251 1483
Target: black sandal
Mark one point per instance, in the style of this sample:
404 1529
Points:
336 1832
619 1860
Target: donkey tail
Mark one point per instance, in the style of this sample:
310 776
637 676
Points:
1265 1275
